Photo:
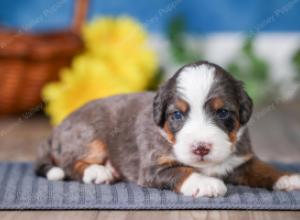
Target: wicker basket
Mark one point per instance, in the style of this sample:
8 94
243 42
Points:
28 61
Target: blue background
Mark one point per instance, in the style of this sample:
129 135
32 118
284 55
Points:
201 16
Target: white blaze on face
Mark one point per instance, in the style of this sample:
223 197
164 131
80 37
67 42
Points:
194 85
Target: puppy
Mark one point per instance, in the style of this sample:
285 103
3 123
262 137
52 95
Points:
190 137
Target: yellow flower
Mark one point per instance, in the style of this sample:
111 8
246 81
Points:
117 60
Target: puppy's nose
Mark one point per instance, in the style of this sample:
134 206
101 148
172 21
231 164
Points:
202 149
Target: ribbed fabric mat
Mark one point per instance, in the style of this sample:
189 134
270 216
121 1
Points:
21 189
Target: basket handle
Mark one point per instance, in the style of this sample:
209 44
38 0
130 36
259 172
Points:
81 9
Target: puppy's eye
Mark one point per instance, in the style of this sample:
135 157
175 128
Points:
177 116
223 114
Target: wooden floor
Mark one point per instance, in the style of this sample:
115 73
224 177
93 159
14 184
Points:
275 132
148 215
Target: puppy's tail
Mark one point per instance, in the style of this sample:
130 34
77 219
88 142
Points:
45 165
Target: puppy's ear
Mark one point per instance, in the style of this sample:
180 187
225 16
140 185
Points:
160 103
246 104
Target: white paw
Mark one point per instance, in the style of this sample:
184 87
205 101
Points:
198 185
288 183
55 174
97 174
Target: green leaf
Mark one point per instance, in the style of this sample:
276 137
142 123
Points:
296 62
252 70
179 50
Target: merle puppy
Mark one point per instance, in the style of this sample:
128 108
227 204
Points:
190 137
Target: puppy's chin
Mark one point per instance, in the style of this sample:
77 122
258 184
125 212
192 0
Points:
207 162
217 156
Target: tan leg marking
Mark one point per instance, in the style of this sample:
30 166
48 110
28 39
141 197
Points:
185 173
96 154
256 173
166 161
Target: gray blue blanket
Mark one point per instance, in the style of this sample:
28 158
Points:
21 189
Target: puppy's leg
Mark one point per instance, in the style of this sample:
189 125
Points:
45 165
94 166
95 173
198 185
187 181
256 173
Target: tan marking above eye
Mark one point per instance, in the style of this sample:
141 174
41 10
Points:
216 103
182 105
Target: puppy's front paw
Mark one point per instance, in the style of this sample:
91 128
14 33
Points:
288 183
97 174
198 185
